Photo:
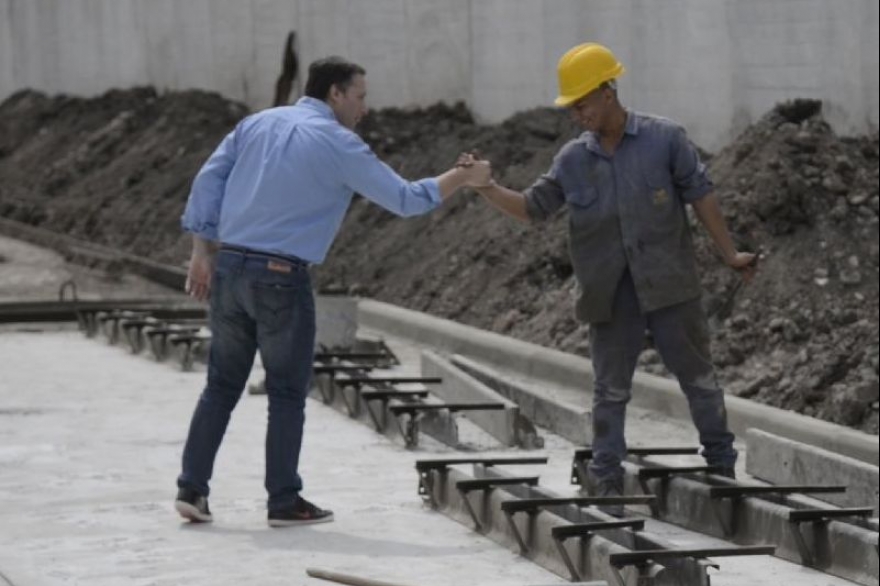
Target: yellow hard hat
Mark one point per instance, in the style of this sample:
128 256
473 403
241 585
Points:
584 68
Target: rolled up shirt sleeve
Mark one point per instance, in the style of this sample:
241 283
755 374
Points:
202 213
546 195
363 172
688 171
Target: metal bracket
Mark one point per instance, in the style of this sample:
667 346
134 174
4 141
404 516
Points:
532 506
354 406
327 389
383 424
71 285
425 467
579 471
87 321
736 493
807 558
727 522
385 396
818 517
665 473
646 559
409 428
523 548
483 484
585 531
645 574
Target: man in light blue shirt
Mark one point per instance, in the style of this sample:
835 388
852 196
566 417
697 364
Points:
267 203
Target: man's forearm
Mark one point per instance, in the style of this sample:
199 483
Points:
451 181
709 213
512 203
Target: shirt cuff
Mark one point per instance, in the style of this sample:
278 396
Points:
699 192
203 231
533 210
432 186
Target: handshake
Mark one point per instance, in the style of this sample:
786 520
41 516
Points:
476 172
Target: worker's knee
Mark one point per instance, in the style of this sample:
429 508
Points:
612 393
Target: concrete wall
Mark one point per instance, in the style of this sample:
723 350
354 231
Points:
715 65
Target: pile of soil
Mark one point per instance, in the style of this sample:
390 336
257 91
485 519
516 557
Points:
803 335
115 169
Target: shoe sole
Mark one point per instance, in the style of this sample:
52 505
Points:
191 513
286 523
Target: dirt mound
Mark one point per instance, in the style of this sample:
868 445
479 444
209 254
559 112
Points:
117 169
113 169
806 331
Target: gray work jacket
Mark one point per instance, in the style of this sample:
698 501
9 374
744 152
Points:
627 210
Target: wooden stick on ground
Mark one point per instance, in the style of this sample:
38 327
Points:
345 578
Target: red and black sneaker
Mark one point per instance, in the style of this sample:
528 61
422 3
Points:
301 513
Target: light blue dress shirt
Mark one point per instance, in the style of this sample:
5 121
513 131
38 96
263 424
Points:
283 179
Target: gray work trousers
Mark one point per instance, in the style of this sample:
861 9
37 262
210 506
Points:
681 337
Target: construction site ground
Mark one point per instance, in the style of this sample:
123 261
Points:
90 443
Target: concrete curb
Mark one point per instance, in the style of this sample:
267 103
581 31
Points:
649 392
508 426
572 422
778 460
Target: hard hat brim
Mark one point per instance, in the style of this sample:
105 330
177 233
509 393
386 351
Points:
565 101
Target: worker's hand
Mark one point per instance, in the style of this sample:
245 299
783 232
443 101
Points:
468 158
478 173
198 278
744 262
465 160
479 169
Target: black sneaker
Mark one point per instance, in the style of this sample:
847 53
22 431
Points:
301 513
193 506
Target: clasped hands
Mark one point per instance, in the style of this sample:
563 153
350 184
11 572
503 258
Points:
479 170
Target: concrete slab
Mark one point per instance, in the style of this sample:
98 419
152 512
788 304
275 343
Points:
90 441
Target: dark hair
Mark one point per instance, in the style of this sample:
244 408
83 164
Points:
330 71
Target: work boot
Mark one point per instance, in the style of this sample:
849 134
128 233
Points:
192 506
727 471
608 487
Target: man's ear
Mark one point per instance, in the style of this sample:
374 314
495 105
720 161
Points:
335 92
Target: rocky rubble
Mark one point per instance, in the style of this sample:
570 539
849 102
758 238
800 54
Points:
804 335
806 332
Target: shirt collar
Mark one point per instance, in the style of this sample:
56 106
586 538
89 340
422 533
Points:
591 141
319 106
632 123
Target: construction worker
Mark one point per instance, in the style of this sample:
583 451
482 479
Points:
625 182
266 205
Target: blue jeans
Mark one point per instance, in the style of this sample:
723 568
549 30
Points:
257 302
681 336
